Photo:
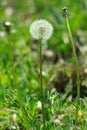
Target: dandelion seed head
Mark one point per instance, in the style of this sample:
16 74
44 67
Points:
41 29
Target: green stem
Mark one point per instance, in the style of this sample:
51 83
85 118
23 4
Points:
41 85
15 82
76 65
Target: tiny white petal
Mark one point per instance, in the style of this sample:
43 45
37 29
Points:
41 29
39 105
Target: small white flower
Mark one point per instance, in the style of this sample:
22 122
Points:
39 105
41 29
14 118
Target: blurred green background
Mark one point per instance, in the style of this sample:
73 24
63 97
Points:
25 50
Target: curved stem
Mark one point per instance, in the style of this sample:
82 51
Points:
15 82
76 65
41 85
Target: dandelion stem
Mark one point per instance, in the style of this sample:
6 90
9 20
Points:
41 85
26 122
76 64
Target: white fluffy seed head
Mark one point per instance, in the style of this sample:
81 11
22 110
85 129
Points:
41 29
